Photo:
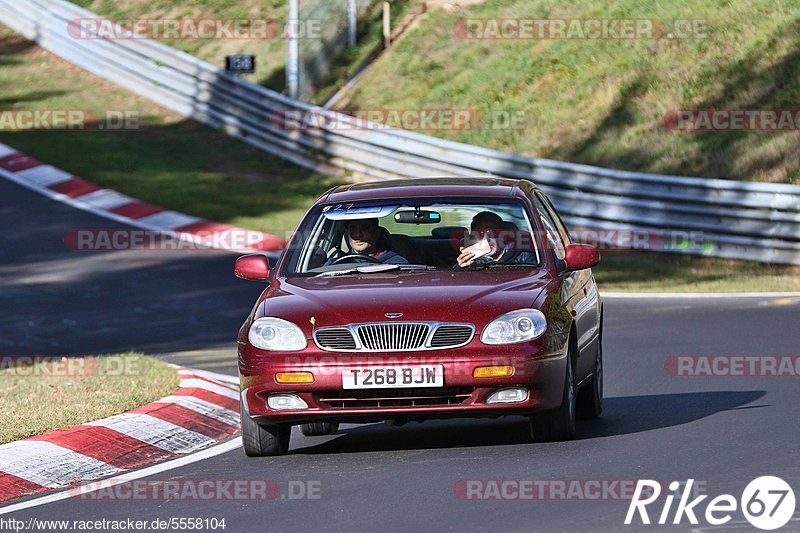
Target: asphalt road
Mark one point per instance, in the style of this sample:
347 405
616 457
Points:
721 431
59 301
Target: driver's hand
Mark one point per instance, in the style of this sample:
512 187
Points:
493 244
465 259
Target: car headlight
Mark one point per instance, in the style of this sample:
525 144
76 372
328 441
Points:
517 326
276 334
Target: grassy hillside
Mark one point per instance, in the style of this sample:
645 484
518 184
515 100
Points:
604 101
270 53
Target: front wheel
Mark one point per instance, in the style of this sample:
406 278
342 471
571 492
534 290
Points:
263 441
590 399
318 429
559 423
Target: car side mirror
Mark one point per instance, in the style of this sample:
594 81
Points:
253 267
581 257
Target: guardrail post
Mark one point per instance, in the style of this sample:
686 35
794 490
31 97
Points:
292 52
387 25
352 22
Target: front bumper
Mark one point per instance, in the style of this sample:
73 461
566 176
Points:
462 395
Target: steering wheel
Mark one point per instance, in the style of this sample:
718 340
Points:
365 258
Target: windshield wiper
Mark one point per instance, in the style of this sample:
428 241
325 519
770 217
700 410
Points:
416 267
496 266
374 269
502 266
336 273
366 269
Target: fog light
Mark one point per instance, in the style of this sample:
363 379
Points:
294 377
510 395
286 402
492 371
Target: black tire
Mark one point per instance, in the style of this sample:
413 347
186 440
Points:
590 398
558 424
264 441
317 429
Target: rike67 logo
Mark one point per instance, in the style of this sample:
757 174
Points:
767 502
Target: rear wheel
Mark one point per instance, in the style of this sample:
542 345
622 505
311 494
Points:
261 441
590 399
559 423
317 429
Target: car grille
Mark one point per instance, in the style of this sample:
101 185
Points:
381 337
393 336
382 398
446 336
336 339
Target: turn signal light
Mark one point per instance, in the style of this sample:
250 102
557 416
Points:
294 377
493 371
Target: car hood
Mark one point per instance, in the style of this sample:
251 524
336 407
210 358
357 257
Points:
460 296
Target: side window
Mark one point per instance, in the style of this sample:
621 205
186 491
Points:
562 229
550 226
321 236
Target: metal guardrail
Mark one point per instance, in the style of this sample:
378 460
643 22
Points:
756 221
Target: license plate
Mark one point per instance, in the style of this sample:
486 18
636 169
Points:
391 377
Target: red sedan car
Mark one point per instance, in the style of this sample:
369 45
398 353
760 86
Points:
415 299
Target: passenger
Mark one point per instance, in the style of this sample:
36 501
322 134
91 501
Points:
501 236
365 237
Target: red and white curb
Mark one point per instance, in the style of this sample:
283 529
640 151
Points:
694 295
203 411
77 192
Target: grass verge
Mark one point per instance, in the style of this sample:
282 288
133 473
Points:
83 389
660 272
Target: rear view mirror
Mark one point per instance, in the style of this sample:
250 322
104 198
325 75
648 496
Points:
417 217
253 267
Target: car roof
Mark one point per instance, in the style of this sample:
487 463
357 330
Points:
425 187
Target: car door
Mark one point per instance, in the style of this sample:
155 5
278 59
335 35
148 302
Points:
580 290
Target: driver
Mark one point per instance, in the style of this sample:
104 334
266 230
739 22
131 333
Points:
367 238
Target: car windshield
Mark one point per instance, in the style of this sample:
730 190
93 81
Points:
414 235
